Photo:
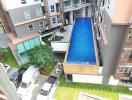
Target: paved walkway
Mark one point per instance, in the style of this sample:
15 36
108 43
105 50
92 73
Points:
4 40
38 85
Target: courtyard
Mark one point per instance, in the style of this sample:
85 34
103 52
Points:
70 90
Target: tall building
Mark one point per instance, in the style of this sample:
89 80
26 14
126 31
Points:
124 64
29 18
114 17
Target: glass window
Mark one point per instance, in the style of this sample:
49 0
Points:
27 45
58 19
53 20
32 43
37 41
52 8
27 14
30 26
67 3
39 11
86 11
41 23
20 48
57 7
23 1
75 1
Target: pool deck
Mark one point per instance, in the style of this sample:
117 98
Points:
88 69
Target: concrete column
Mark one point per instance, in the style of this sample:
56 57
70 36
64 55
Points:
71 17
6 86
83 12
105 80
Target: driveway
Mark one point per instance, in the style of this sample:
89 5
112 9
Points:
37 86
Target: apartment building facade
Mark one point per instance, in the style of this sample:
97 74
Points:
29 18
112 24
124 65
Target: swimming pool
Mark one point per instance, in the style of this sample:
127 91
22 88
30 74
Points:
81 48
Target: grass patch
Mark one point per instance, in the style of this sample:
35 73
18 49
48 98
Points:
70 90
25 65
9 59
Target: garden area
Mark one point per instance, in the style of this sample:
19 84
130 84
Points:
70 90
7 57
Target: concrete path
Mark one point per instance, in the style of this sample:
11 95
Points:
38 85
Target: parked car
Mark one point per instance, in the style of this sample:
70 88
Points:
28 79
16 78
46 88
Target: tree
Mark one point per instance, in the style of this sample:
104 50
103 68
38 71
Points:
3 52
42 56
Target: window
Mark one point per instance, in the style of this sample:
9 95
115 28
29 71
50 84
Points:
39 12
57 7
75 1
86 11
52 8
66 3
41 23
58 19
27 14
23 1
53 20
30 26
20 47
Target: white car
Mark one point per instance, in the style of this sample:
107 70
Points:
44 93
28 79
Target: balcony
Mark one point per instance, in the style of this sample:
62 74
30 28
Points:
75 6
103 33
122 75
125 61
128 43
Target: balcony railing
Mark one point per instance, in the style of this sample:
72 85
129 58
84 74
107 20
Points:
122 75
128 43
75 6
125 61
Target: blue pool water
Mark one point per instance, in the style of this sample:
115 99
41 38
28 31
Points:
81 49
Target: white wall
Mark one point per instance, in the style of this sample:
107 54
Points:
111 5
59 46
89 11
87 78
12 4
54 24
113 81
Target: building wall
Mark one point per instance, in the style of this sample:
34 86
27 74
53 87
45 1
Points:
3 18
110 7
12 4
17 15
23 30
122 11
112 50
87 78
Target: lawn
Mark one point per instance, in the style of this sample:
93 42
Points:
70 91
9 59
